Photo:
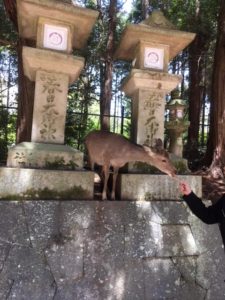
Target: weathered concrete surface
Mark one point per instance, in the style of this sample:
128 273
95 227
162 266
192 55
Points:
19 183
149 187
76 250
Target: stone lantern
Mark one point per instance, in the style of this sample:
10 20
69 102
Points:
150 46
45 167
56 28
176 125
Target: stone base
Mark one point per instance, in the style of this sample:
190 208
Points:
49 156
20 184
154 187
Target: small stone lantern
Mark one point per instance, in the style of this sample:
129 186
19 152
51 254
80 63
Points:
176 125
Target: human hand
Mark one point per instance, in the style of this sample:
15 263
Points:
184 188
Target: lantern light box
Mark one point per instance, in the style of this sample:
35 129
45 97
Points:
55 37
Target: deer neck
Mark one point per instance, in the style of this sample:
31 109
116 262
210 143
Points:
137 153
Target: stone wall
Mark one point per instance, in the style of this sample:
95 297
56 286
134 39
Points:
67 250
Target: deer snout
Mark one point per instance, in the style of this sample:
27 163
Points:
173 173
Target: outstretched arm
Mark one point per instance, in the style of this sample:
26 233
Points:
208 215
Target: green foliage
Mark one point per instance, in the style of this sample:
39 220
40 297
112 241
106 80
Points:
181 167
8 100
8 79
7 132
83 110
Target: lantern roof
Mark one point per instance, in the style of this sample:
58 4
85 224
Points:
176 102
155 29
80 18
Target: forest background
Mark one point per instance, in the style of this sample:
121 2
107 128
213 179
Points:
95 99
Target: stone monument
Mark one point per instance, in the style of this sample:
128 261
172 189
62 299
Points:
149 45
56 28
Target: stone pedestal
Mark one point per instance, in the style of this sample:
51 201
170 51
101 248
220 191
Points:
47 156
52 73
148 90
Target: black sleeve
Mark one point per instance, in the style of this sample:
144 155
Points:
208 215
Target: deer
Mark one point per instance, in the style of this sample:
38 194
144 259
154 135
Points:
108 149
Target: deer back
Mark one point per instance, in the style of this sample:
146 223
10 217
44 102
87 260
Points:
110 147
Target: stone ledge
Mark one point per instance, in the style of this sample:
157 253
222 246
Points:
21 183
147 187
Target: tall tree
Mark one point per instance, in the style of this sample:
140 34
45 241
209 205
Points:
196 52
106 67
25 86
216 144
197 16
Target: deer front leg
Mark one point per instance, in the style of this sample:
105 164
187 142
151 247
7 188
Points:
115 173
105 169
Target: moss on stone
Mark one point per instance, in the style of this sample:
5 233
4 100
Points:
60 164
149 197
76 192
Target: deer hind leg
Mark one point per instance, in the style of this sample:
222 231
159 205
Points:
91 162
115 174
105 169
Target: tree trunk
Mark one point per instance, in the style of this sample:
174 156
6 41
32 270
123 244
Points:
10 7
216 144
106 93
144 9
25 101
196 66
25 86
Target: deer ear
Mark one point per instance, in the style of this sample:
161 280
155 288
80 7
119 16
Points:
158 144
148 149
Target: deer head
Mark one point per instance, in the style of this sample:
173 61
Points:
159 158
